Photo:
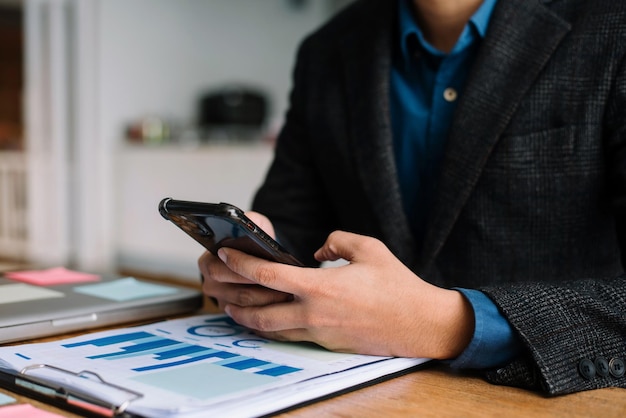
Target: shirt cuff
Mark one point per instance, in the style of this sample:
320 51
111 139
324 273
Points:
494 342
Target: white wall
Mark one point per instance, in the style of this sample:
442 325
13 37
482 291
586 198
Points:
158 56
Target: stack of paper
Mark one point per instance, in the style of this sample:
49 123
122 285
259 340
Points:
187 367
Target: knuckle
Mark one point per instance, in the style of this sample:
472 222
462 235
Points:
261 322
245 297
266 274
212 271
334 235
366 244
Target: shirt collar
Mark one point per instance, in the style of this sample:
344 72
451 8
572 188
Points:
476 27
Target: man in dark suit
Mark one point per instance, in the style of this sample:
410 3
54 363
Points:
476 153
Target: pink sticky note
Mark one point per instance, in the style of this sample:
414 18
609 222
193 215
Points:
27 411
51 277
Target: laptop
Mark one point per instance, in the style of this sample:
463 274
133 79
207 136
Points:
39 303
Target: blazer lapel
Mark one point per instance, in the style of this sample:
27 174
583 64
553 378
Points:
521 38
367 63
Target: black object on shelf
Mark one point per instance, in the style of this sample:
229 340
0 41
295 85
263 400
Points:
233 107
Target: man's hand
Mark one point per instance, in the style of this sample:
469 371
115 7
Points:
373 305
226 287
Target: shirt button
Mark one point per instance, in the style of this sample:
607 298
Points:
616 367
450 94
587 369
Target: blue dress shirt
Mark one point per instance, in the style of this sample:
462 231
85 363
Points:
425 86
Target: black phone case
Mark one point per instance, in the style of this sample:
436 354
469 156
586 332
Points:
216 225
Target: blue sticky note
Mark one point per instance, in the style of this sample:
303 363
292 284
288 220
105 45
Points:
125 289
5 399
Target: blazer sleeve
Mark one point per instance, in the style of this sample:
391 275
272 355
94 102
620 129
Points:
567 325
563 326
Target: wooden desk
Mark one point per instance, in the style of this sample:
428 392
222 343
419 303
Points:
436 392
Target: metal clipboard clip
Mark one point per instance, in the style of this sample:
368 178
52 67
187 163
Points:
83 390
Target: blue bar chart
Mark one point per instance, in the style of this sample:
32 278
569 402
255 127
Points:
168 353
200 362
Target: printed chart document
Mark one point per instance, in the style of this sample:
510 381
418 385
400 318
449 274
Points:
187 368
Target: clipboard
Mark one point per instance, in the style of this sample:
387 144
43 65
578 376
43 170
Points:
67 396
160 370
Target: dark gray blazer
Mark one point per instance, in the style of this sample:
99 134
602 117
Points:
531 201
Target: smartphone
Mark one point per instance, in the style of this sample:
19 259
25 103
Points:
216 225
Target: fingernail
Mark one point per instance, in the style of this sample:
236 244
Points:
227 310
222 255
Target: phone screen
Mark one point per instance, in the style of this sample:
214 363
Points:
216 225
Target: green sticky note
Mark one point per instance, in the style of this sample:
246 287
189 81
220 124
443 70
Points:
5 399
125 289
